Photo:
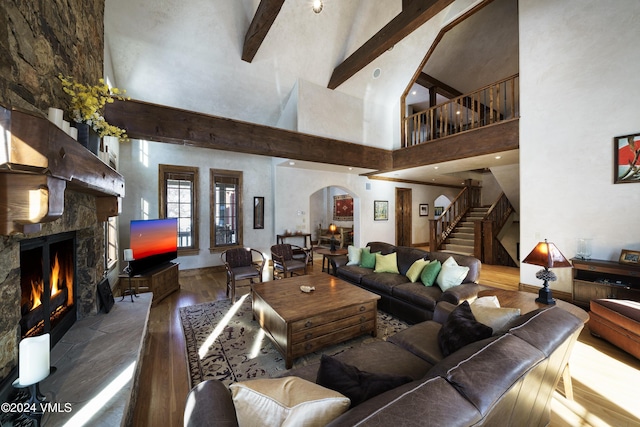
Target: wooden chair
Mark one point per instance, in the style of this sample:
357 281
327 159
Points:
240 265
284 261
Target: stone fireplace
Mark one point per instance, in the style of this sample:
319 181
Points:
79 230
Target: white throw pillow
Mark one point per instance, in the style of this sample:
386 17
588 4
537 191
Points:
496 318
354 255
451 274
288 401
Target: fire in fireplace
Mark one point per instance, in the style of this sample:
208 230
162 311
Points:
47 281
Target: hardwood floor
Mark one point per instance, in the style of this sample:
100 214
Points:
605 379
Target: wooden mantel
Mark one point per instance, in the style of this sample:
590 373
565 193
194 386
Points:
38 161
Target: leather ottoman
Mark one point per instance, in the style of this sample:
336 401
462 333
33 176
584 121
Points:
617 321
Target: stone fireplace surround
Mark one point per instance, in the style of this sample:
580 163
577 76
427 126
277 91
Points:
80 216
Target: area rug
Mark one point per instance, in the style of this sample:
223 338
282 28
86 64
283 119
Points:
224 342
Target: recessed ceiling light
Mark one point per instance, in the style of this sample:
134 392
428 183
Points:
292 163
436 167
376 73
414 92
498 157
317 6
350 168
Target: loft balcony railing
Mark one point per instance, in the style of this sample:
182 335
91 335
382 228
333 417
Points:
491 104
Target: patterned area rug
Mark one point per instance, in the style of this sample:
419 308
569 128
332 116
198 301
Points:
224 342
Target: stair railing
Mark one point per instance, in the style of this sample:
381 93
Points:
488 229
491 104
442 226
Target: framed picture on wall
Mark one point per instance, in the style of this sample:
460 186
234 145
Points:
438 210
258 213
626 156
424 209
380 210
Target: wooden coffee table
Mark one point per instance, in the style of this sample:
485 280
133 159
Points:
300 323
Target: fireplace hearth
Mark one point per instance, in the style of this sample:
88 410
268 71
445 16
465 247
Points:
47 283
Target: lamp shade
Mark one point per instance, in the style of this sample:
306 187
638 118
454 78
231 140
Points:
547 255
332 228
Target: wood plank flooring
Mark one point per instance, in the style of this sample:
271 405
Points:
605 379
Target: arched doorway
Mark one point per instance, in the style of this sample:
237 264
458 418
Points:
334 205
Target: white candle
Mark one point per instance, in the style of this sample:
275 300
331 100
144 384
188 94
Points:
55 116
128 255
73 132
34 359
66 126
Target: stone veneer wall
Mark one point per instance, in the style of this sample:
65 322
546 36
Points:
40 39
79 216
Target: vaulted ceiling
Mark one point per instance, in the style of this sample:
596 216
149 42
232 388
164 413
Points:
188 53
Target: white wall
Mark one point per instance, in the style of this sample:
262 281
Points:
578 89
139 166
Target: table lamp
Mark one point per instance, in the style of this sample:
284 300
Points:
546 255
332 230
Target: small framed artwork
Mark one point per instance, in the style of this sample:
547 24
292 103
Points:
105 294
630 257
380 210
437 211
258 213
626 155
424 209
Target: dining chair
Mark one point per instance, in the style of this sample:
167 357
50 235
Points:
242 264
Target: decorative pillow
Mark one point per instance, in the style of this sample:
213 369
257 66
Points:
430 272
490 301
288 401
451 274
413 274
354 255
368 259
496 318
357 385
461 329
386 263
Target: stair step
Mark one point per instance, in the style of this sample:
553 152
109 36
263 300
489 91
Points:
462 250
460 241
462 235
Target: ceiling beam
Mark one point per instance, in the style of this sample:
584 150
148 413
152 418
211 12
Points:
427 81
414 14
263 19
166 124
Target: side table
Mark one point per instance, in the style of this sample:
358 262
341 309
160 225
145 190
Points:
327 254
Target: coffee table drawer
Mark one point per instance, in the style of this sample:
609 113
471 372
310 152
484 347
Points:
323 319
328 328
337 336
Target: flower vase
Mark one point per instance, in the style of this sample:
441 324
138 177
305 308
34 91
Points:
88 137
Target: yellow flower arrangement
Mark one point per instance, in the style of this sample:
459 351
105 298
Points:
87 103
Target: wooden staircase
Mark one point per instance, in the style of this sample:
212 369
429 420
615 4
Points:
462 239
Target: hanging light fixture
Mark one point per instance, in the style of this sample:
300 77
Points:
317 6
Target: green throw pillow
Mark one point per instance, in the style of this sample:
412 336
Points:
413 274
386 263
368 259
430 272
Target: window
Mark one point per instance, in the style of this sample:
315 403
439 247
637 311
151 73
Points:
226 208
111 242
179 199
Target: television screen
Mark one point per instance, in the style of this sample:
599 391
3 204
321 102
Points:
154 242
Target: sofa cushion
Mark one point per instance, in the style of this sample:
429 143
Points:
461 329
430 272
382 283
418 294
386 263
357 385
420 339
382 247
288 401
414 272
367 259
451 274
354 255
353 273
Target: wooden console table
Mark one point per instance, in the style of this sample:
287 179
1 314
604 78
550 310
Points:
594 279
162 281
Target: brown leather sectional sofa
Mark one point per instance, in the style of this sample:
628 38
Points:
411 302
506 380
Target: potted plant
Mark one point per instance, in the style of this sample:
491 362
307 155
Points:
87 104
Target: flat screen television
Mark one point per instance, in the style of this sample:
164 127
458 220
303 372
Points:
154 242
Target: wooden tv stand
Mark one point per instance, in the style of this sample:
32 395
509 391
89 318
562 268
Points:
162 281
